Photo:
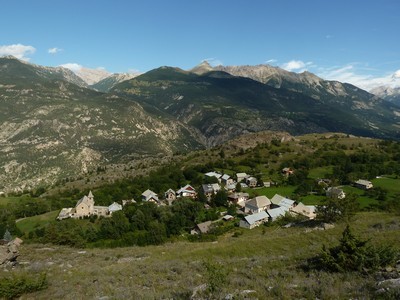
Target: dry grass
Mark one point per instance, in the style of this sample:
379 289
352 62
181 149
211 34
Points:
264 260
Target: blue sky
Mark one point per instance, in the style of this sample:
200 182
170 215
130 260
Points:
356 41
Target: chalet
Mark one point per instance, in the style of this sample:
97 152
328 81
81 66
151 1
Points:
187 191
201 228
228 217
170 195
210 189
335 192
257 204
305 210
241 176
254 220
150 196
363 184
251 182
226 180
238 198
287 171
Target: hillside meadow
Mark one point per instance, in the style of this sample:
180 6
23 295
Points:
264 263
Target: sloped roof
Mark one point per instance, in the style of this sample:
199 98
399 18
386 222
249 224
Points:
287 203
276 212
276 199
213 174
259 202
115 207
149 194
187 188
204 227
251 219
225 177
363 182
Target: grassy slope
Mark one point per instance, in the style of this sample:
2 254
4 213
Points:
265 260
27 225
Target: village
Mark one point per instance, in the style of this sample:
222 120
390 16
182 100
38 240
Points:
251 212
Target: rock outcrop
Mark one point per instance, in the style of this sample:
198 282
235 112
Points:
9 252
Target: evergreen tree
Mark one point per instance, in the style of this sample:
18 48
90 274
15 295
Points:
7 236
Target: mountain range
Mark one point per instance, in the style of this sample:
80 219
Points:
56 125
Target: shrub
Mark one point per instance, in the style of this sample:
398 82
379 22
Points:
354 254
17 285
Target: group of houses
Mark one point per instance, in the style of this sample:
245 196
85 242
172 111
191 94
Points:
256 211
261 209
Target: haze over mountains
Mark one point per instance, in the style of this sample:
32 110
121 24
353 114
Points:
55 125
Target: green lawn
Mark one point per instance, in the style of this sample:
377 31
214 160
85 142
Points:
312 199
364 200
29 224
320 172
389 183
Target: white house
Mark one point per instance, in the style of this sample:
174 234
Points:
335 192
364 184
187 191
254 220
149 196
241 176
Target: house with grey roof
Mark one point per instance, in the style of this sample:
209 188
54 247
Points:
335 192
363 184
210 189
150 196
114 207
251 182
276 213
254 220
170 196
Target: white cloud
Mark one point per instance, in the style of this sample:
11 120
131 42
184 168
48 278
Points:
295 65
133 71
72 66
352 74
54 50
18 50
271 61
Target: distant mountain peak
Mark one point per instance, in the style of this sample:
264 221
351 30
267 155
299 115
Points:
202 68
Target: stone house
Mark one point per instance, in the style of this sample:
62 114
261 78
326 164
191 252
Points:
257 204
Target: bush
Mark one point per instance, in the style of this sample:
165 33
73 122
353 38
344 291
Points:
354 254
17 285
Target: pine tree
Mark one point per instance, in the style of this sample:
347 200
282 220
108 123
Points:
7 236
